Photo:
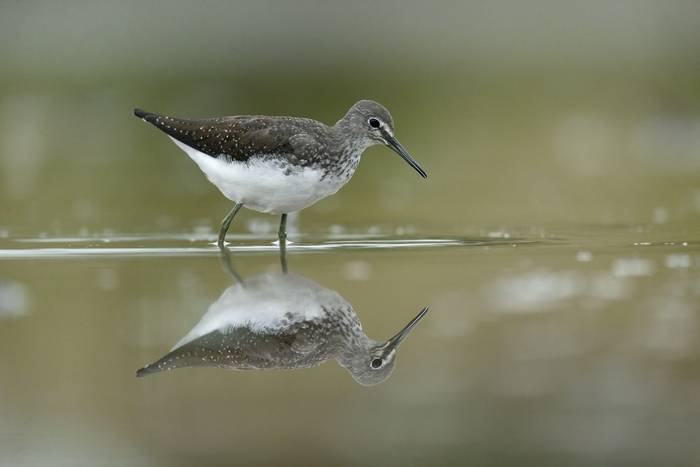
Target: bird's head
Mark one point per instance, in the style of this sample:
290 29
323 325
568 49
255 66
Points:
375 362
371 122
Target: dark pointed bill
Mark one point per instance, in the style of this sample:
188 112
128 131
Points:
396 146
394 342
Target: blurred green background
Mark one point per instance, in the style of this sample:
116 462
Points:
522 112
564 135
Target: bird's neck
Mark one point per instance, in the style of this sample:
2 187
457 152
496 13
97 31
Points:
351 350
354 344
350 147
351 144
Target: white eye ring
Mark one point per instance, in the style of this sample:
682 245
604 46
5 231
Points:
374 122
376 363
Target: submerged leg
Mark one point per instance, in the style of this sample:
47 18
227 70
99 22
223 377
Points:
227 222
282 234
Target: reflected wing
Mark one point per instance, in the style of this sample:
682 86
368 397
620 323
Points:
241 349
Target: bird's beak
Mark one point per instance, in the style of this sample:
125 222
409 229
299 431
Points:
394 342
394 144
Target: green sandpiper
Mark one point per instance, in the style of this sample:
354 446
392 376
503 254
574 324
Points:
279 165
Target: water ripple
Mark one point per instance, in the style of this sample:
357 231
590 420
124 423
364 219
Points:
189 245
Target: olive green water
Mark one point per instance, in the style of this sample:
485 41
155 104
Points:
556 240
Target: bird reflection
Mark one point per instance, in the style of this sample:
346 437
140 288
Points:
283 321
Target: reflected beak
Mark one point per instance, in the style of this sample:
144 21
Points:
394 144
394 342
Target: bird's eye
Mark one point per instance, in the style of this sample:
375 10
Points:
374 122
376 363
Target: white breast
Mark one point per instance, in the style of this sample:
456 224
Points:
262 185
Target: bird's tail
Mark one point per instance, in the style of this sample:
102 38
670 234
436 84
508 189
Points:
147 370
142 114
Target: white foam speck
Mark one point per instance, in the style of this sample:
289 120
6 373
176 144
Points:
584 256
336 229
357 270
14 299
107 279
605 286
534 291
632 267
260 226
498 234
677 261
660 216
202 229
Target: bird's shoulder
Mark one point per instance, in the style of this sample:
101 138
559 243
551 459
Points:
282 136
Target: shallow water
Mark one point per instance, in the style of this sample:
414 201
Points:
546 350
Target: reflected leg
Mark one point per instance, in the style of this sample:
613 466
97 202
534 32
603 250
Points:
227 222
282 235
227 262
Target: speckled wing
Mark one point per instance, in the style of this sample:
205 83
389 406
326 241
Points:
241 349
239 138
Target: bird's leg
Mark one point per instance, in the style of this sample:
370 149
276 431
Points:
282 234
227 222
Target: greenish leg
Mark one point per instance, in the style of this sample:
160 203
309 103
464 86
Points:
282 233
227 222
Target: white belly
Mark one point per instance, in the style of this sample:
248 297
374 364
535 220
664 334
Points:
263 185
268 303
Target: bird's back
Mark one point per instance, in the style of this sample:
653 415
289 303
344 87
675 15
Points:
240 138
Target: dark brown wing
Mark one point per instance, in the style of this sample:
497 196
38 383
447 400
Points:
240 138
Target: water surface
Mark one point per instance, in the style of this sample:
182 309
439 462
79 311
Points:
556 349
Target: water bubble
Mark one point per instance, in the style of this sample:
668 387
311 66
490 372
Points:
260 226
357 270
200 230
336 229
14 299
84 209
584 256
374 230
632 267
677 261
498 234
533 292
107 279
660 216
